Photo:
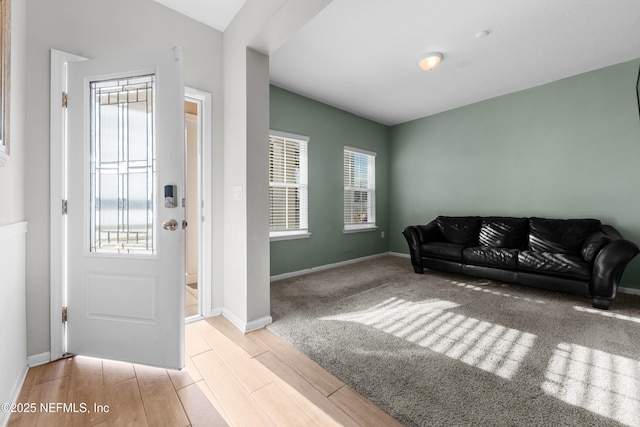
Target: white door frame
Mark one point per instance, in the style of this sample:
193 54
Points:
57 190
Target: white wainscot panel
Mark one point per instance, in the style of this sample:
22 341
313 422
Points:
132 299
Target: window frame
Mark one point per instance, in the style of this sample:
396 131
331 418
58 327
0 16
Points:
371 223
303 231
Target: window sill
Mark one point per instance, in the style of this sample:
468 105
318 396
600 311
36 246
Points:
274 237
360 229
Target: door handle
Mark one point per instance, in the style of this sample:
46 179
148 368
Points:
170 225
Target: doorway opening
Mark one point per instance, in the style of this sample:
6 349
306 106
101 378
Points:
197 204
192 290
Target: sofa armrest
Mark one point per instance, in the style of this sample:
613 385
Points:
412 235
416 235
608 266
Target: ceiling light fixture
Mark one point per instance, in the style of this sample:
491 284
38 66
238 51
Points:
430 61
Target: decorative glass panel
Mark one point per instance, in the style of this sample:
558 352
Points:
122 166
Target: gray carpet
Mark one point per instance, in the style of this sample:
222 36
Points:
448 350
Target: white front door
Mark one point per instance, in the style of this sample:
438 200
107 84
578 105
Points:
125 183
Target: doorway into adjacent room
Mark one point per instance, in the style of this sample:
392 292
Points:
197 204
192 290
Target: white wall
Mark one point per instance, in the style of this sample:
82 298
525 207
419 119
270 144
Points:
260 27
258 283
13 328
92 28
13 322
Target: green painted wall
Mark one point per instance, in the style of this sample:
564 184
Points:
567 149
329 130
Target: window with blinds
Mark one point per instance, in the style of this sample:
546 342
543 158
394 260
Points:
288 185
359 189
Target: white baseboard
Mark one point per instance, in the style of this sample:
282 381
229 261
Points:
326 267
258 324
400 255
215 311
632 291
244 326
11 230
39 359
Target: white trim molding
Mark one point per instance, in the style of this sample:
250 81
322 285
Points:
39 359
325 267
246 326
11 230
57 190
632 291
359 228
288 235
400 255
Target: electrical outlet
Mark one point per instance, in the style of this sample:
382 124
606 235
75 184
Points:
382 234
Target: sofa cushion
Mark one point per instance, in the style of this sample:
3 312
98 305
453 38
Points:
504 232
565 236
565 265
491 256
462 230
442 250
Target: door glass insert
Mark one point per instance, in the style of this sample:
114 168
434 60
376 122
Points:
122 166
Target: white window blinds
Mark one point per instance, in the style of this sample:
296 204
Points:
288 185
359 188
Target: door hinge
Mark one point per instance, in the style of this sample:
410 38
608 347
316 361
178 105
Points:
64 314
64 207
65 99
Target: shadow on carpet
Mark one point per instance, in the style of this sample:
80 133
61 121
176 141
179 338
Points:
449 350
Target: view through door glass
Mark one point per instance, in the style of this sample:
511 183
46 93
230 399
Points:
122 166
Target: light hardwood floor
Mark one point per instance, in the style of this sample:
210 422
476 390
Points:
190 300
235 379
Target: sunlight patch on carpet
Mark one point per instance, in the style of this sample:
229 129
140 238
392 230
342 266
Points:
493 348
601 382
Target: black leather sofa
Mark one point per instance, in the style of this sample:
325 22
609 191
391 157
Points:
579 256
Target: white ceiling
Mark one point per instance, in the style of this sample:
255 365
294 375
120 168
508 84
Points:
361 55
214 13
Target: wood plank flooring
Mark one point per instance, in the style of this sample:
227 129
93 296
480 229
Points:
230 378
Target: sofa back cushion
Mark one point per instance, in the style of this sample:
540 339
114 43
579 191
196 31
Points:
462 230
504 232
565 236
